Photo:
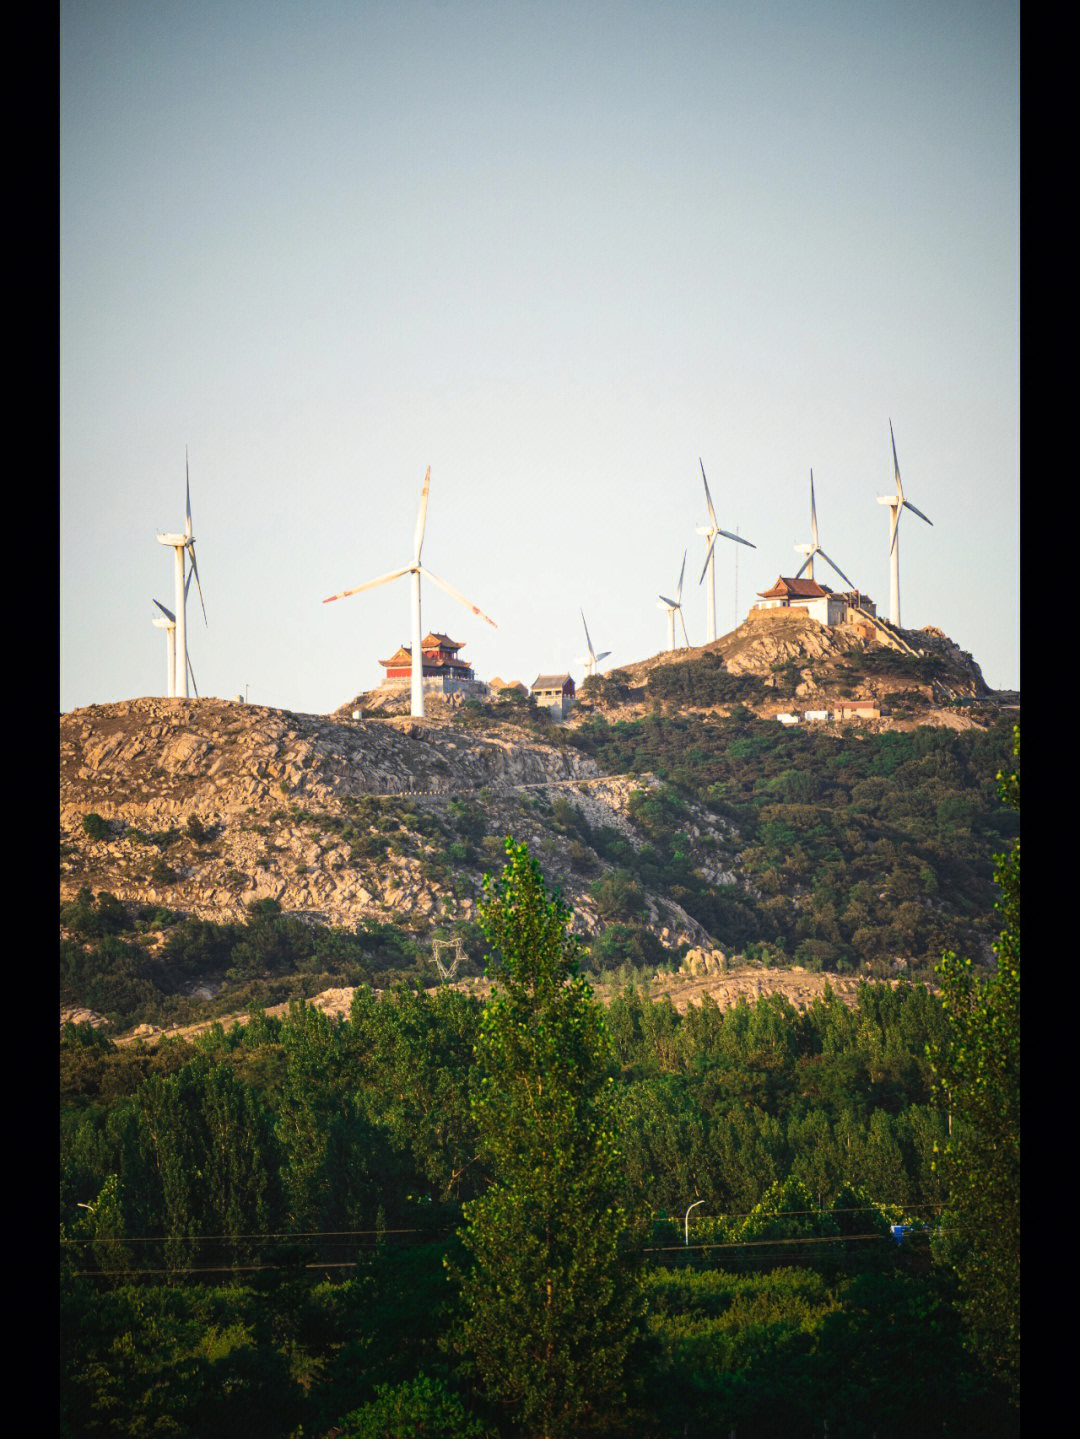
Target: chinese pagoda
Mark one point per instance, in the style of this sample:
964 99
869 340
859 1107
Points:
442 670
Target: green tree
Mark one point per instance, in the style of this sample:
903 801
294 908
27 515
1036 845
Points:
553 1293
978 1067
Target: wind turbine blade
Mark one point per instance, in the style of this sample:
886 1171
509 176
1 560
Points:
195 572
682 572
671 604
708 557
813 512
805 563
187 507
603 656
167 613
895 463
737 538
588 641
191 672
421 518
708 497
457 595
370 584
895 525
836 567
685 636
909 506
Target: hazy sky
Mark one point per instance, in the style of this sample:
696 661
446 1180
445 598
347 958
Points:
557 252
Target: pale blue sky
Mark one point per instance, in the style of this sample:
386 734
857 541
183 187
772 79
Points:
556 252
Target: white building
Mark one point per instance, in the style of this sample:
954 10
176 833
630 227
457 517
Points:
821 603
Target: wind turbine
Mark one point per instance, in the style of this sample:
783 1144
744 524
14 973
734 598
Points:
896 503
814 548
183 545
673 606
416 569
168 624
710 531
593 659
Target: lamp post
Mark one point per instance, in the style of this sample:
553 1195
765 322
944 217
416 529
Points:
686 1222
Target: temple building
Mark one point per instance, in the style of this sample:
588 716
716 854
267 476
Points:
555 693
820 602
443 671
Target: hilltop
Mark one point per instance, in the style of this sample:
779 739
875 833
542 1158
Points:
676 822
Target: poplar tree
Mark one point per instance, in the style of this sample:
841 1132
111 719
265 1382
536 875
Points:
553 1292
978 1069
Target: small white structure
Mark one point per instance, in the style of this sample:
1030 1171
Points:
816 716
788 719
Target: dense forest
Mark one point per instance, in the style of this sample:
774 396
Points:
538 1216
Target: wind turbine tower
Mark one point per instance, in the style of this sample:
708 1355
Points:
814 548
675 606
416 569
896 503
711 531
592 659
183 546
168 624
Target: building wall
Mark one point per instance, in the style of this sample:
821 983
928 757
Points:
437 684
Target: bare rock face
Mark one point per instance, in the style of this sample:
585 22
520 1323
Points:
211 804
698 961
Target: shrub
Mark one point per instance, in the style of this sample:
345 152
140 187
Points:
95 826
419 1406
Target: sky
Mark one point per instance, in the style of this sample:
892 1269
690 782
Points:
561 253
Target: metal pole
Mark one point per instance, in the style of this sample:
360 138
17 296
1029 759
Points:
686 1222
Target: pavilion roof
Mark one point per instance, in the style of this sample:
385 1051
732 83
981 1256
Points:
795 590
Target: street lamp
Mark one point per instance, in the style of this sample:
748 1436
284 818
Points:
686 1222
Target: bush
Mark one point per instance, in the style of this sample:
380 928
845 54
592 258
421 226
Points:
420 1406
95 826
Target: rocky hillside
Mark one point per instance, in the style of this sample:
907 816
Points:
210 804
674 821
915 676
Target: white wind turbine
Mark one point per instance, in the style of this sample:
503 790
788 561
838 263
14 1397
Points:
675 606
710 531
416 569
183 545
592 659
168 624
896 503
814 548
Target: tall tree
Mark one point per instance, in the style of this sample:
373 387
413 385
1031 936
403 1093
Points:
978 1067
553 1292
